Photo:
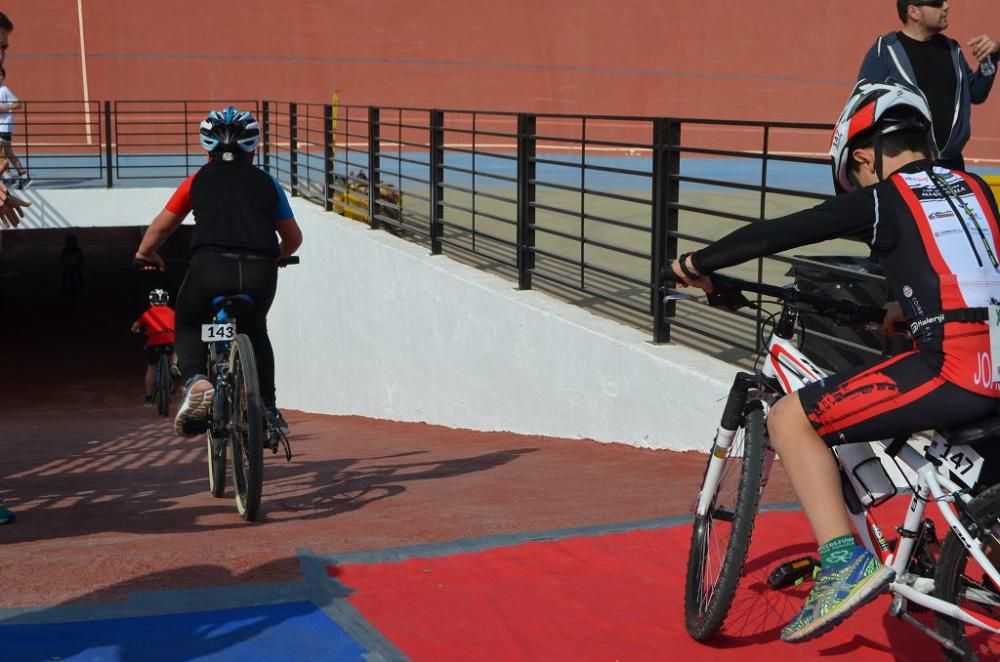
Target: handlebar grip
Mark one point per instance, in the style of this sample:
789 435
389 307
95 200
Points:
291 259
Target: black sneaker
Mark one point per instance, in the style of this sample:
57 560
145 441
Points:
147 401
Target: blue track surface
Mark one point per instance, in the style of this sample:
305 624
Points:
290 631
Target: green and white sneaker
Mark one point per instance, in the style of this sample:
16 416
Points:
838 591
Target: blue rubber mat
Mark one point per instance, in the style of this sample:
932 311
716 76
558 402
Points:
287 631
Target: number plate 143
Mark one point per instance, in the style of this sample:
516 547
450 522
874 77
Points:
217 332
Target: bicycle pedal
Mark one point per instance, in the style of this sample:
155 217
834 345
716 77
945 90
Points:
793 573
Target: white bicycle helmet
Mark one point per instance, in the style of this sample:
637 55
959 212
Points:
158 297
229 130
876 110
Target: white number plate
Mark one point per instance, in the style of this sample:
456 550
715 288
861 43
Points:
217 332
963 461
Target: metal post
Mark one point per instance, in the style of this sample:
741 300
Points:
759 337
328 157
374 174
108 139
293 146
265 134
666 195
436 179
526 127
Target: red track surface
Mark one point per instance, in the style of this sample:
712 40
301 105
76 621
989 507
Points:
781 60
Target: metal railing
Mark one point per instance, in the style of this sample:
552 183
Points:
591 208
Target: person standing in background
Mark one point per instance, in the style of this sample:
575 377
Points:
8 104
921 55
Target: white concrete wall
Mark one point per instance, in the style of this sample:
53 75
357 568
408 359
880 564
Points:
92 207
372 325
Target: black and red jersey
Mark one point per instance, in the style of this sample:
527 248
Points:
935 233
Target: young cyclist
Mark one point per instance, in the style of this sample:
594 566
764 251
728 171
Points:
934 232
240 212
157 322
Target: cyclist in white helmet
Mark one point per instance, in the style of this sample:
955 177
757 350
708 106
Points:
934 232
243 224
157 322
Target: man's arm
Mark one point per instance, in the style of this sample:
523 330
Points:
985 49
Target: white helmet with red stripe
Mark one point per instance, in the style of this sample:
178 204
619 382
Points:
876 109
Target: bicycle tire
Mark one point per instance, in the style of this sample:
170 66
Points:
248 428
707 598
164 385
216 466
952 581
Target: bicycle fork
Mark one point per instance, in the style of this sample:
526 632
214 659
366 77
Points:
732 419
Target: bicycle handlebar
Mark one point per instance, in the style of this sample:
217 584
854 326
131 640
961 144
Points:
728 293
285 261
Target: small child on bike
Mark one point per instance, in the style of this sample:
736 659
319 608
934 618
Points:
157 322
935 233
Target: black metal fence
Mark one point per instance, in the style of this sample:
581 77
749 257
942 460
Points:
590 207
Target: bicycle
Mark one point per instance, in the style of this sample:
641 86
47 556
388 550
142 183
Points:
957 579
238 419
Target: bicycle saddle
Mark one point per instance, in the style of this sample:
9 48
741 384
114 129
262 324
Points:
234 301
970 433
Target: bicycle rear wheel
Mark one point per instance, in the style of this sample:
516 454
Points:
721 538
248 428
164 385
216 464
961 581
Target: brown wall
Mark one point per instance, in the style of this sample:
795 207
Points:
779 60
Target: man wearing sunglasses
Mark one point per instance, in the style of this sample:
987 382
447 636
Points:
921 55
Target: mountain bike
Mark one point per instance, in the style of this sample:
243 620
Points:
957 578
238 420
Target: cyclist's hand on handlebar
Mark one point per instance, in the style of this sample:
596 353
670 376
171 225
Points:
893 317
702 282
149 262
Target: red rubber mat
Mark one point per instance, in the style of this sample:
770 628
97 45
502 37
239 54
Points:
610 597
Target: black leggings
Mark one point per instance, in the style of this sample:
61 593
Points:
214 274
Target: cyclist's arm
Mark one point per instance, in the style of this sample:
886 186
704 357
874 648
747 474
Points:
291 236
158 231
288 229
173 214
851 215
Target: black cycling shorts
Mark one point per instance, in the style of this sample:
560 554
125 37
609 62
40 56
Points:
153 353
898 396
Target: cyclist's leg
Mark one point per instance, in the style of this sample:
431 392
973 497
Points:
150 379
209 275
902 395
260 279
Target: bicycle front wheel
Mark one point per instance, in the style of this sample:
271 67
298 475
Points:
248 428
961 581
164 385
721 537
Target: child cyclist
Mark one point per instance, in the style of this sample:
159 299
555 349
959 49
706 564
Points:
934 232
157 322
